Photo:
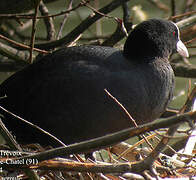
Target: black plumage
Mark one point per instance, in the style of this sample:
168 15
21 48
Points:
63 92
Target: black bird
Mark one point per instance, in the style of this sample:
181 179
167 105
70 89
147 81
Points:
63 92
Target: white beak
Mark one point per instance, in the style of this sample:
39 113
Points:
181 49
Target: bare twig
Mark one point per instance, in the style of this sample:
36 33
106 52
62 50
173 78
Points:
98 23
64 20
126 14
182 15
83 167
13 53
173 8
122 107
22 45
190 41
65 165
33 32
8 137
48 22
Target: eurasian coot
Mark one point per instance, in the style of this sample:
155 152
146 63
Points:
63 92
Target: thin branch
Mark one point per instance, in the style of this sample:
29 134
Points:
82 167
122 107
15 54
48 22
98 23
182 15
22 45
65 165
33 32
190 41
126 13
64 20
173 8
9 138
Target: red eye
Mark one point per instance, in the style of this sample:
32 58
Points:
174 33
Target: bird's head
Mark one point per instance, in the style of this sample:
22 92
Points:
154 38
